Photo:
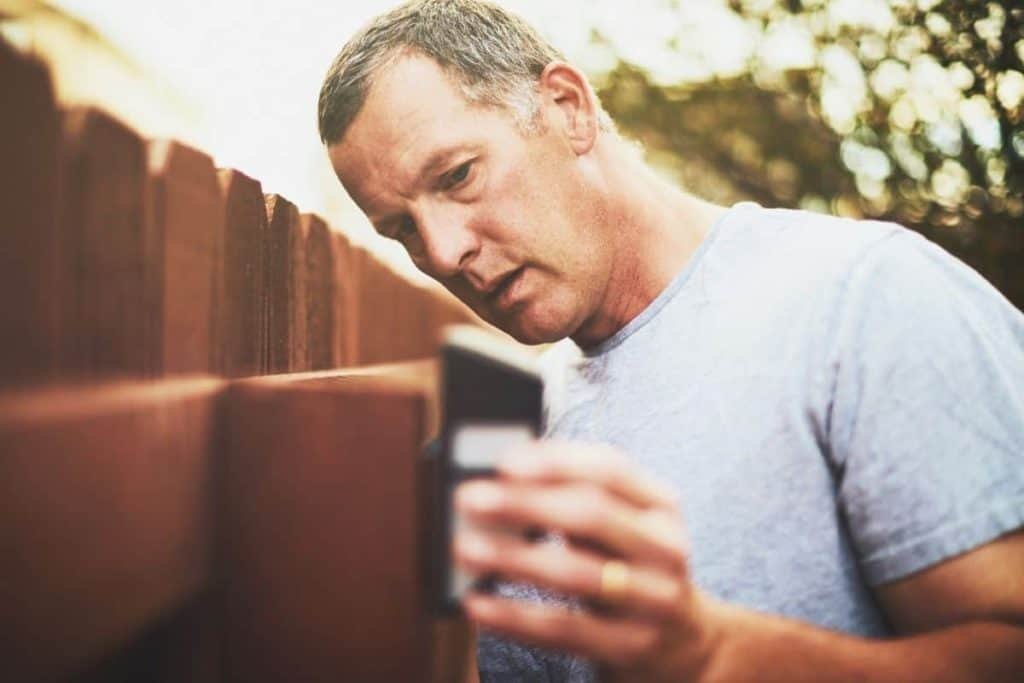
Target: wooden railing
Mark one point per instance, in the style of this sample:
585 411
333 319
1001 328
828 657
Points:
209 450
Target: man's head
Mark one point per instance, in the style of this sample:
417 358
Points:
462 134
494 57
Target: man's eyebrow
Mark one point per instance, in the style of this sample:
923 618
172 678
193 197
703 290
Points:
439 158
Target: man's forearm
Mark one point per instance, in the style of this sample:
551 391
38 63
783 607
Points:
754 646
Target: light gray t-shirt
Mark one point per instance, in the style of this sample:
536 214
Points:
838 403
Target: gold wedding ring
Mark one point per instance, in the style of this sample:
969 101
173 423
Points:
614 580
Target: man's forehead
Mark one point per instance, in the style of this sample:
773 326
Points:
374 158
413 121
409 102
411 86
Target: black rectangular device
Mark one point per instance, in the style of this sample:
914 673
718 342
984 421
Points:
491 397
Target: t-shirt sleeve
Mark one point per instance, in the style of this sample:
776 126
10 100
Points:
926 429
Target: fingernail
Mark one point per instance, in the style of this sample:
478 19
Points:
474 547
521 466
480 496
479 607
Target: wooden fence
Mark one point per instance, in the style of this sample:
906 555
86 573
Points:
209 452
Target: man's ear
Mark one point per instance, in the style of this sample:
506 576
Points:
566 87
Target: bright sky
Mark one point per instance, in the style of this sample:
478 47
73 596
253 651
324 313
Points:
253 69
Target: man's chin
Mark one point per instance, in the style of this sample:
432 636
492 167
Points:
527 327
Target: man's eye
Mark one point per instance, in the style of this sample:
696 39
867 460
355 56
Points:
458 175
406 227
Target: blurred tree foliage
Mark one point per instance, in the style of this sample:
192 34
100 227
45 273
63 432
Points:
905 110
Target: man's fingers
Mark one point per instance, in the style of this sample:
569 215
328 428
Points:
621 642
571 571
560 461
581 512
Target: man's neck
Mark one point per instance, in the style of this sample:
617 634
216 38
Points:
655 229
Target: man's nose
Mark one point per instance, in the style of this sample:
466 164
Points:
449 244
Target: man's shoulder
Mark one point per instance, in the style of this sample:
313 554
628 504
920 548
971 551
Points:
767 254
792 234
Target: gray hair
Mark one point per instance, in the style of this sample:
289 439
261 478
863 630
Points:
494 57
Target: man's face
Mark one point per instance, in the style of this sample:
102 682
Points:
498 217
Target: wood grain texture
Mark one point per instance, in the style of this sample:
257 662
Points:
243 302
186 224
320 292
347 288
414 316
181 647
106 517
286 287
321 537
29 190
401 320
105 311
364 265
378 312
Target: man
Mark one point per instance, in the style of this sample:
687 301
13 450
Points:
833 410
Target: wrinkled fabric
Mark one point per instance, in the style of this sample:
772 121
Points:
839 404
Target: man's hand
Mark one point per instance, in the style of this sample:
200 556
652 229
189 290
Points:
624 554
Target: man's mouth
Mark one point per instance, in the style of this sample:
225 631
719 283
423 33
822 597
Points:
495 295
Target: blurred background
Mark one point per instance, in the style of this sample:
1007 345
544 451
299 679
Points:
905 110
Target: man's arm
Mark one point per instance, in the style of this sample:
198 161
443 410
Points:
963 620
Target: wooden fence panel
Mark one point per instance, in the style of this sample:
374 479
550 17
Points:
413 302
360 260
243 304
320 305
286 288
106 312
398 319
322 531
182 647
105 517
445 309
366 341
347 288
30 140
377 312
186 217
188 530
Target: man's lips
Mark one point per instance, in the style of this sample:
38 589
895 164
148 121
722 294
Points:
495 291
496 294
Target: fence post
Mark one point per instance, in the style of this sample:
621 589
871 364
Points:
286 287
347 276
186 219
29 193
320 306
105 291
106 517
243 304
321 531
